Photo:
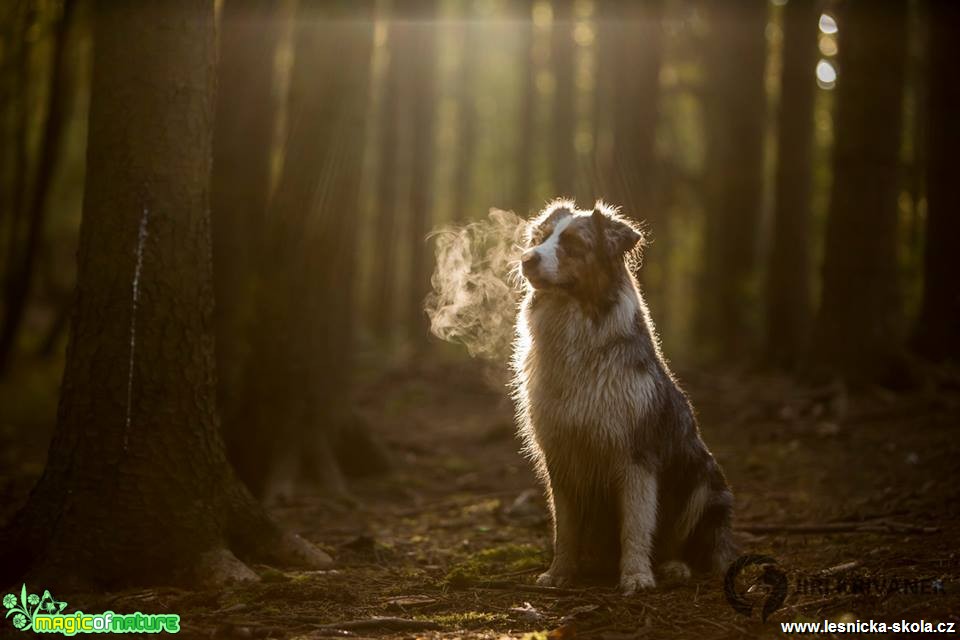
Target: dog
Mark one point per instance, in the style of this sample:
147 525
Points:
629 481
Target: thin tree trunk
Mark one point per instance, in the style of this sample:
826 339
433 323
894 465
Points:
137 488
243 133
388 182
20 275
938 330
788 283
734 106
636 33
523 187
563 155
859 324
298 382
466 119
423 93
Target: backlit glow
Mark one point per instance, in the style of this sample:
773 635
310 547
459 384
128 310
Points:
826 75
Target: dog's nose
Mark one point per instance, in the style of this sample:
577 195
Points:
530 258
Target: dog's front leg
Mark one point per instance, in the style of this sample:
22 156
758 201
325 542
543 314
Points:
566 541
638 520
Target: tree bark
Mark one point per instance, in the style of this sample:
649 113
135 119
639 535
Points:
298 382
859 325
788 283
937 334
735 106
243 133
137 488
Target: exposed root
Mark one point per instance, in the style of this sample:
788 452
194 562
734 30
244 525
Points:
220 567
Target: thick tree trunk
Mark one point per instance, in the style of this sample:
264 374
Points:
859 324
24 251
563 153
137 488
240 185
297 387
938 330
734 106
788 283
421 85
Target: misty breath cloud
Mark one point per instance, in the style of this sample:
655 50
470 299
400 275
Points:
476 285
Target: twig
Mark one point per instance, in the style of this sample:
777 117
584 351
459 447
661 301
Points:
384 623
836 527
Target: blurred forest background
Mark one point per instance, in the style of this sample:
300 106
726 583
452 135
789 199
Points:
791 162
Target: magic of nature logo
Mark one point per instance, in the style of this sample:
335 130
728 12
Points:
44 614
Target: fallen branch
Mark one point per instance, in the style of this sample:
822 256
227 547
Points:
836 527
380 623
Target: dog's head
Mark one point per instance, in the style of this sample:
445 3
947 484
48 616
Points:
580 252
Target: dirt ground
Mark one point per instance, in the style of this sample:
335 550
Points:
853 489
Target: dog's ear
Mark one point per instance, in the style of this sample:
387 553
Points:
620 236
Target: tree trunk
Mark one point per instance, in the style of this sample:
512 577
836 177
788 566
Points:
22 262
137 488
240 185
298 382
859 324
388 182
563 153
523 187
788 282
466 118
938 330
422 67
734 106
636 33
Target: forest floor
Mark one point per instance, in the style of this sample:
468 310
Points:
832 486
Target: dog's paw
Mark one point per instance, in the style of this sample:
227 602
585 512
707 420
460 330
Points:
549 579
675 571
630 583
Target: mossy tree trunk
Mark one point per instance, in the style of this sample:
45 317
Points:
137 488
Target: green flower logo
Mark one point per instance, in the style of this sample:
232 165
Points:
25 609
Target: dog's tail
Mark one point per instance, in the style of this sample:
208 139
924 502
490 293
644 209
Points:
710 547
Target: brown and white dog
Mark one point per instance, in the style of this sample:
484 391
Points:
630 482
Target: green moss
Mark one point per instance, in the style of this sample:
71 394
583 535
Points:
465 619
488 563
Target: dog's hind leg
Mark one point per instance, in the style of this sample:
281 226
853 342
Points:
638 520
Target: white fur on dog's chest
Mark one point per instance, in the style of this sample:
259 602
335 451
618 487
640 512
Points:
584 393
